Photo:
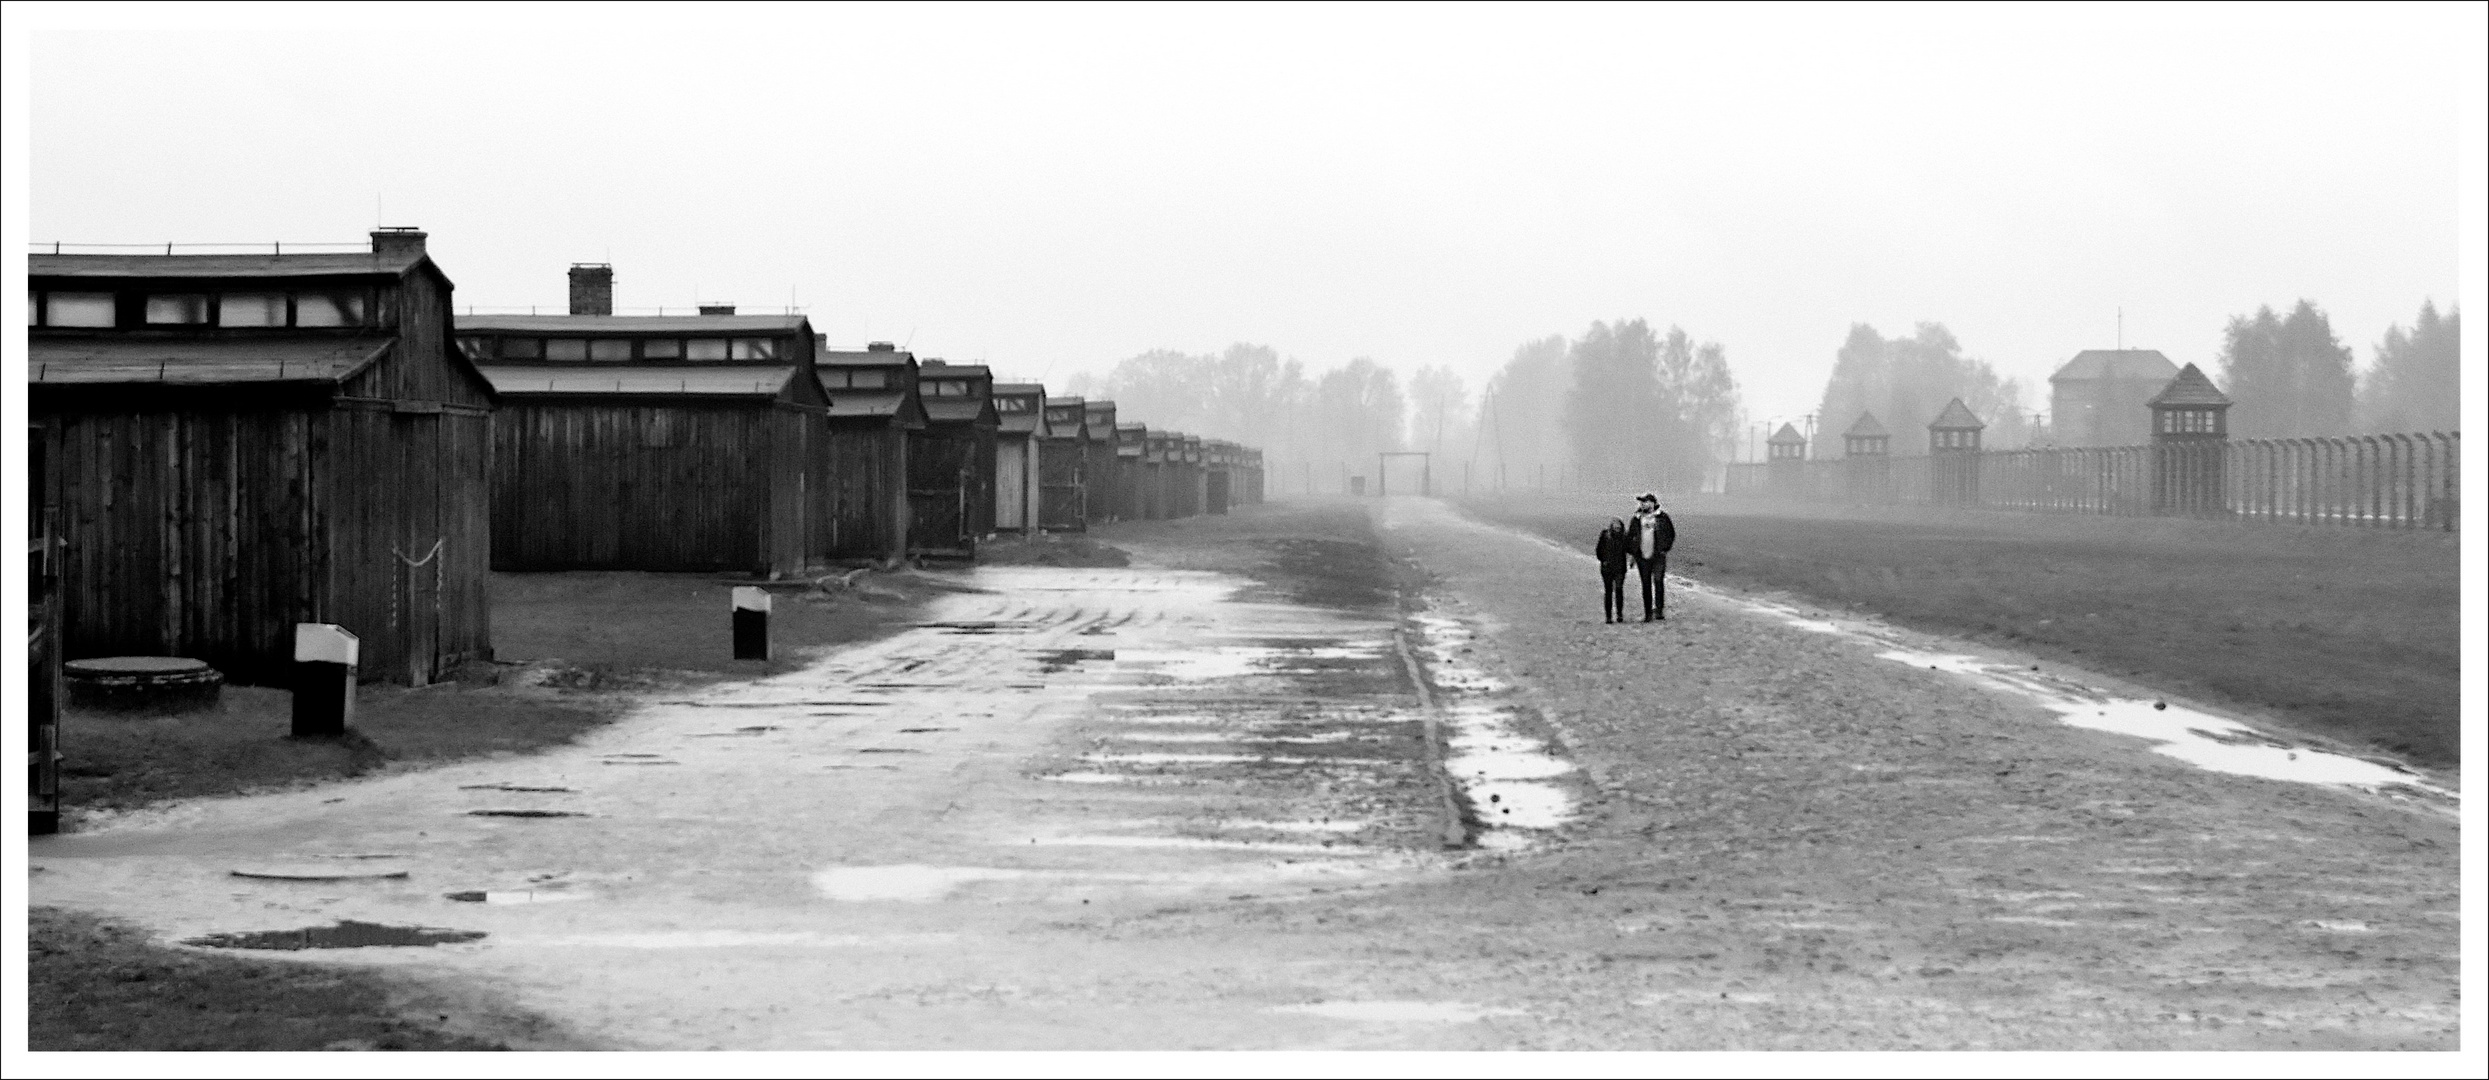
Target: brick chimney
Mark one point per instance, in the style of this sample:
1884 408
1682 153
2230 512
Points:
717 309
397 240
881 346
591 289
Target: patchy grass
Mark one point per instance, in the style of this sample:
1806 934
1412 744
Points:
98 984
2347 632
588 639
1050 549
621 624
116 761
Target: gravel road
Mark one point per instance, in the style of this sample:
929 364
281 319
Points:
1171 806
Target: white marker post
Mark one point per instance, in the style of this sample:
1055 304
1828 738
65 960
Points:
751 623
325 657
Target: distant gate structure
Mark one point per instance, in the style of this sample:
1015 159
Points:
1382 475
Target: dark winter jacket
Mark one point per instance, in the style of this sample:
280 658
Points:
1664 529
1612 550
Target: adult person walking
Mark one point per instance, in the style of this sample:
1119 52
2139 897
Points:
1649 537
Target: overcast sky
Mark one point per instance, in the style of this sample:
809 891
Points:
1055 190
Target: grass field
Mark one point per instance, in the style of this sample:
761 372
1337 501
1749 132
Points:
94 984
2347 633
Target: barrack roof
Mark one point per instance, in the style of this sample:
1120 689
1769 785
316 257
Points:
866 358
629 324
316 264
719 380
54 361
955 408
1021 423
867 403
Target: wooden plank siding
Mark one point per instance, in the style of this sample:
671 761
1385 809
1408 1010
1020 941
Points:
941 484
210 532
1062 466
862 513
650 484
1098 471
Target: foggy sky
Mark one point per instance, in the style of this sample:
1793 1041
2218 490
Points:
1055 190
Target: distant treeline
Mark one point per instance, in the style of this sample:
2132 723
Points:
1620 406
1626 405
1251 395
2290 377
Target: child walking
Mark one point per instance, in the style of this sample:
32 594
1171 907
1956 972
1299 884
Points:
1612 554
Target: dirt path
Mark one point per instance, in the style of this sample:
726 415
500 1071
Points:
1864 851
1161 807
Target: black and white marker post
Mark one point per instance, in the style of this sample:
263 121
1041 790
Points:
325 656
751 623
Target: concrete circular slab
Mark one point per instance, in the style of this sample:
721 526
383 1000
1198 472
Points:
142 683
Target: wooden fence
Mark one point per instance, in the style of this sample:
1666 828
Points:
2400 481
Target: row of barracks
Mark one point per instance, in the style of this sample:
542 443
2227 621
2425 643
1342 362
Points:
234 444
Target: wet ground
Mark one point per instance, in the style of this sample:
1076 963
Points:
1199 802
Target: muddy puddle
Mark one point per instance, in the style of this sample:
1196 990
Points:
2198 738
346 934
1516 788
516 896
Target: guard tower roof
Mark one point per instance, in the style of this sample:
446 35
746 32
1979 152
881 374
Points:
1956 417
2189 388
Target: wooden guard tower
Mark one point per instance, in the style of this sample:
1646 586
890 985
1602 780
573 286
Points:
2190 432
1953 450
1868 449
1787 452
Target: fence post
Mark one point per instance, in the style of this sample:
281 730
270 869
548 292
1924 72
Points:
2397 486
2454 478
2345 489
2299 473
